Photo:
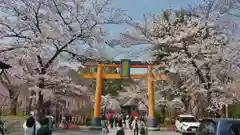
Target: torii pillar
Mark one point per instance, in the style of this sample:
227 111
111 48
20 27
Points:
152 121
97 105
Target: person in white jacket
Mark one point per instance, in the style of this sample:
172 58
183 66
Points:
31 126
135 126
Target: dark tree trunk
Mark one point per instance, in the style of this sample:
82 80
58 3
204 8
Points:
13 106
57 113
29 108
13 103
40 108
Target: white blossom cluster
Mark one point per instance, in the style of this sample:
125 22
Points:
44 33
196 52
109 103
56 80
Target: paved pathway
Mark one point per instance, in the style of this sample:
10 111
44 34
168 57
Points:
112 132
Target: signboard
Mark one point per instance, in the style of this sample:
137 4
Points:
125 67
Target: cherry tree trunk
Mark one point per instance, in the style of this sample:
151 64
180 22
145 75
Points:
40 107
13 101
29 108
13 106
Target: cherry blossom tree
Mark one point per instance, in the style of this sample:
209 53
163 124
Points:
46 30
195 49
223 12
9 83
209 8
110 103
57 81
23 79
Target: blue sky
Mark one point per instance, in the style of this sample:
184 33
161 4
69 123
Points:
136 9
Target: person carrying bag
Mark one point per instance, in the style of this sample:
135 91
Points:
45 129
31 126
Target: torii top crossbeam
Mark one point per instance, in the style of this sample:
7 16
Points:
116 64
131 64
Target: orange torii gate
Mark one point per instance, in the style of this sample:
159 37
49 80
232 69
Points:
125 66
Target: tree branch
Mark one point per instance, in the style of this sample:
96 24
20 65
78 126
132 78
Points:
36 13
194 64
61 16
37 17
60 50
15 34
40 61
9 49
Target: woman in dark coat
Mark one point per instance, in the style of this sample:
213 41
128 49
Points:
45 129
120 122
116 121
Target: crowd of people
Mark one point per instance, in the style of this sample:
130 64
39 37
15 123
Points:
136 124
34 126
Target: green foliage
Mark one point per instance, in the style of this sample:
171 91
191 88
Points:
14 116
158 115
160 55
114 86
234 110
166 123
88 122
180 16
166 15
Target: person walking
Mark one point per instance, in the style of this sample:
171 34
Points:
105 130
116 121
127 121
135 126
130 122
31 126
111 121
120 123
124 121
45 127
143 128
